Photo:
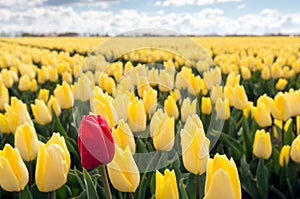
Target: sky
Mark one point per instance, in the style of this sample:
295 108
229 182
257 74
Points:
114 17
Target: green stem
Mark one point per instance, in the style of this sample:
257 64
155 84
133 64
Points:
50 195
130 195
29 166
19 195
105 182
282 133
198 186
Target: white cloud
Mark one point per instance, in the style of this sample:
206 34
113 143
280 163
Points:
241 6
189 2
207 21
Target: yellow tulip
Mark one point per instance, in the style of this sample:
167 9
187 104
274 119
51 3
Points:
298 125
171 108
261 115
233 80
216 93
188 108
229 94
7 78
192 123
268 101
182 78
102 103
165 81
284 155
281 109
83 88
143 85
262 146
24 83
4 127
4 96
26 141
53 164
43 75
43 95
67 77
53 74
222 109
53 104
41 112
212 77
295 149
13 171
64 95
153 77
276 71
176 95
162 131
265 73
246 73
120 104
123 136
195 85
222 179
240 99
281 84
110 85
195 148
247 109
17 114
166 185
124 177
137 115
150 100
293 98
206 106
33 85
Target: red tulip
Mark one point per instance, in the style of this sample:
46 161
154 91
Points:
95 142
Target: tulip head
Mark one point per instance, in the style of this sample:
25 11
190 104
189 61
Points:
281 84
150 100
284 155
26 141
206 106
41 112
54 106
222 109
261 115
240 99
222 175
44 95
171 108
13 171
262 146
137 115
188 108
165 81
295 149
123 136
64 95
4 96
281 109
95 142
166 185
123 171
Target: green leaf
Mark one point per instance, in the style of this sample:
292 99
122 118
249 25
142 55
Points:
25 194
247 144
275 158
247 181
262 179
79 177
236 147
289 136
90 188
63 192
182 191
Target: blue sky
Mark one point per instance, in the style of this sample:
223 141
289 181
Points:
201 17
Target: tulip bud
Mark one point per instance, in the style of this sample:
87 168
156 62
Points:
281 109
67 77
216 93
153 77
4 96
53 164
268 101
171 108
83 88
222 175
213 77
233 80
110 85
276 71
188 108
261 115
137 115
281 84
95 142
206 106
143 85
26 141
229 94
195 85
120 104
64 95
53 75
247 110
246 73
295 149
124 177
165 81
44 95
150 100
123 136
262 146
41 112
166 185
33 85
162 131
4 127
265 73
195 148
13 171
293 98
240 99
284 155
24 83
53 104
222 109
43 75
7 78
17 113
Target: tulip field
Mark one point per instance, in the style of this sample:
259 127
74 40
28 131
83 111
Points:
150 117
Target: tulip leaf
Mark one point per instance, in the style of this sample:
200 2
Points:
90 187
289 136
288 178
74 184
37 194
275 158
236 147
182 191
79 177
64 192
262 179
247 181
275 193
247 145
25 194
82 195
57 126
